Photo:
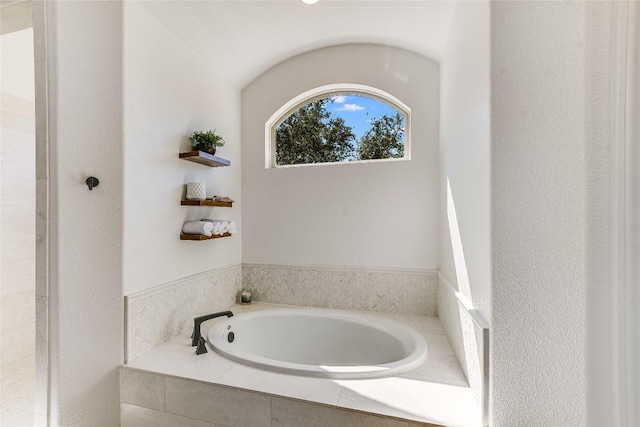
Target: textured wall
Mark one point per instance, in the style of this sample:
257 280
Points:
538 213
170 91
84 43
382 214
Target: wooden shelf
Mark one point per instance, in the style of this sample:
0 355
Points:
205 159
207 202
201 237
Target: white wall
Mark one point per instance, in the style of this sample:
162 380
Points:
170 91
550 204
84 42
381 214
601 369
611 35
464 156
465 142
633 321
538 213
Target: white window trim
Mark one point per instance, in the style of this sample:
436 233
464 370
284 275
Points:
325 91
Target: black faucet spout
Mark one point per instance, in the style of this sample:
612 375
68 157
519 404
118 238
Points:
195 338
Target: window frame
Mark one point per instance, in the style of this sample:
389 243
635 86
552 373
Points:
326 91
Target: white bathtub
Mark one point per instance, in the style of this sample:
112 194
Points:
319 343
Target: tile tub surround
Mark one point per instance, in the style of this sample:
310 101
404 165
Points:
166 381
154 316
468 334
402 291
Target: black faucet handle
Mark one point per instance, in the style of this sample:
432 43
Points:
195 336
202 346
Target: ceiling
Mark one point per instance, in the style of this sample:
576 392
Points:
242 39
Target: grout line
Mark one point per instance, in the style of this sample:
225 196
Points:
339 395
170 413
164 383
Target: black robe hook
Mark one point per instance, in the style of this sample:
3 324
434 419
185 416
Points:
92 182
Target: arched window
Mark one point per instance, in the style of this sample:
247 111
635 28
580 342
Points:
338 123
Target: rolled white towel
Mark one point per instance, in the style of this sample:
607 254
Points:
198 227
232 227
224 225
217 228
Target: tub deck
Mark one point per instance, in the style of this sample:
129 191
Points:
436 393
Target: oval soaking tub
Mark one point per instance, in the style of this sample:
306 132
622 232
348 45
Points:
319 343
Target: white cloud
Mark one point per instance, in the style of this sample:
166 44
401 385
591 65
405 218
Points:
340 99
350 107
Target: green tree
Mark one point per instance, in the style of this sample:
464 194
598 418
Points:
312 135
384 140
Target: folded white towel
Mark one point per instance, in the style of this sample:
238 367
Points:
198 227
232 227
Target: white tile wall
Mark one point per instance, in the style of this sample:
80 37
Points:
42 219
295 386
142 389
18 277
402 291
469 337
192 403
220 405
293 413
17 261
156 315
18 309
136 416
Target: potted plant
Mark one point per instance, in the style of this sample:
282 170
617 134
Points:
206 141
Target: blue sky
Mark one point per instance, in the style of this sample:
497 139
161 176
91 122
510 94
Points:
358 110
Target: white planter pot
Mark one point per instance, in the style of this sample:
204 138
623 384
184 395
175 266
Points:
196 191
